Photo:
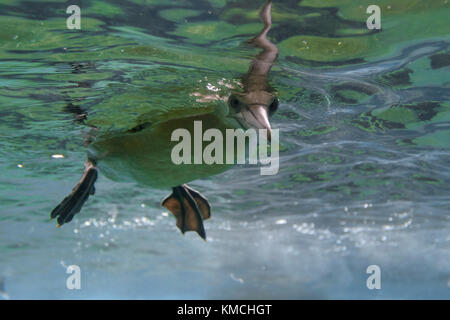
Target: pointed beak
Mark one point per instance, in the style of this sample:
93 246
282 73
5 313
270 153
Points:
256 117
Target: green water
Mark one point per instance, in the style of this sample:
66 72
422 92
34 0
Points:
364 127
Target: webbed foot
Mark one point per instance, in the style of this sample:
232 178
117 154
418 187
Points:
189 208
72 204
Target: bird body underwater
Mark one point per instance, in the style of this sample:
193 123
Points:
143 153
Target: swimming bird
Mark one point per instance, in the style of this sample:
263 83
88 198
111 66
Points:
143 153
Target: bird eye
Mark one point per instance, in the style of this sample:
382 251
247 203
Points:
273 106
234 103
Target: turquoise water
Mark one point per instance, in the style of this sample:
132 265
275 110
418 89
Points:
364 162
